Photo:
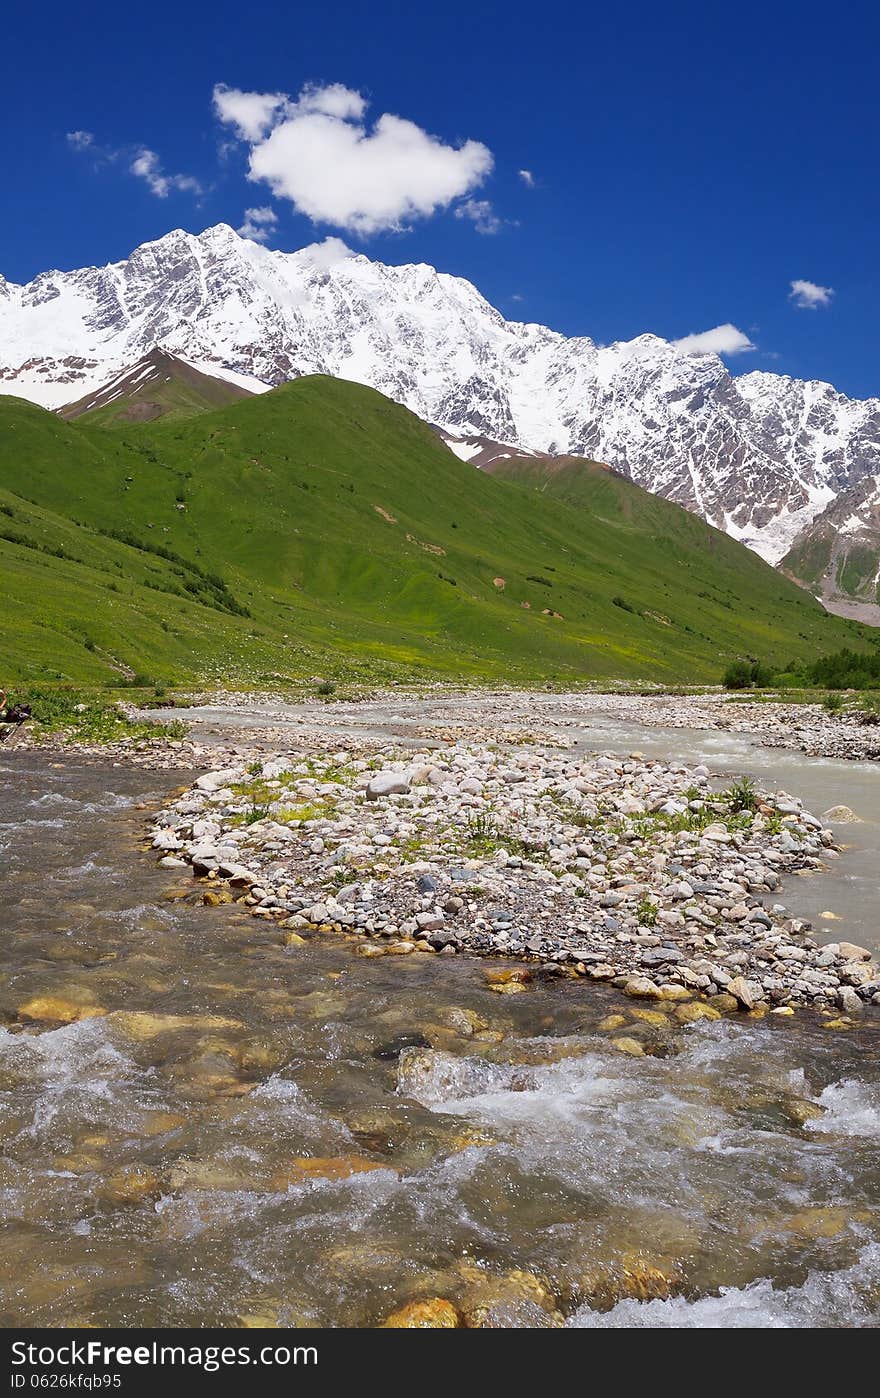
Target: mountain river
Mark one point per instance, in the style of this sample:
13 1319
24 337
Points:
237 1134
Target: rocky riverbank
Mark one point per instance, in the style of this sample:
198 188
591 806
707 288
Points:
851 735
629 871
445 714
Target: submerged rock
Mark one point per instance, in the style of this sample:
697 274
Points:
514 1298
303 1168
57 1007
433 1314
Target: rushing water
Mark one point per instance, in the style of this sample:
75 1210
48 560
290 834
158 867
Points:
155 1171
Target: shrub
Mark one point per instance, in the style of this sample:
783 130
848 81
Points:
738 675
845 669
747 674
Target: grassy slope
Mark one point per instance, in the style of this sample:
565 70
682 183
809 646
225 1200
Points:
289 495
178 390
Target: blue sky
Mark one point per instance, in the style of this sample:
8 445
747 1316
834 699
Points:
688 162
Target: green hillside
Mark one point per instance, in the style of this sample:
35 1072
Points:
159 385
322 529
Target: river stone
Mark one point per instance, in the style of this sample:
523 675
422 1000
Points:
216 781
660 956
695 1010
851 951
387 784
748 993
642 988
433 1314
58 1007
842 814
166 839
849 1000
430 922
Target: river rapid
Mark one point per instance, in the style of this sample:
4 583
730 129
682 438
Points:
241 1133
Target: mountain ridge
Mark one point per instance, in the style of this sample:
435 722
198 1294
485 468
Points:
157 384
758 455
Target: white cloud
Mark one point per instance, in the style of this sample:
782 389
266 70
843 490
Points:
481 215
808 296
527 178
318 152
723 339
517 296
333 100
148 167
258 224
328 253
140 161
251 113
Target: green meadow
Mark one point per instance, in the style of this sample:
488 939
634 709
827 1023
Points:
321 530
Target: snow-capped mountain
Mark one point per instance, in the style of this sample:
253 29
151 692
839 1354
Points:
838 554
758 455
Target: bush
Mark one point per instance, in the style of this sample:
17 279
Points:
845 669
747 674
737 676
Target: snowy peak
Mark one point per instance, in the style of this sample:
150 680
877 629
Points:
760 455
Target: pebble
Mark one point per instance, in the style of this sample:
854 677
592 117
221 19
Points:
542 856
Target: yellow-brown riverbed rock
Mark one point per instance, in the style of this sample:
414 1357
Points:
214 897
264 1316
626 1044
515 1297
635 1277
508 975
323 1167
159 1123
211 1175
59 1009
824 1221
611 1022
142 1025
800 1110
436 1313
694 1010
642 988
133 1186
650 1016
674 992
